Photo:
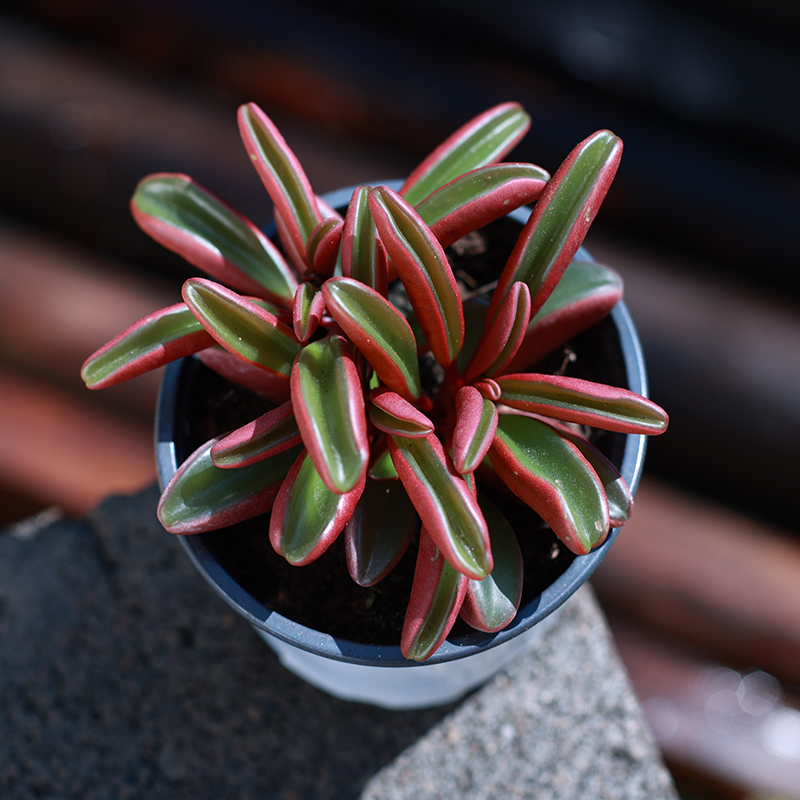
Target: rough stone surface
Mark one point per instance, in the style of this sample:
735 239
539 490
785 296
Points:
122 675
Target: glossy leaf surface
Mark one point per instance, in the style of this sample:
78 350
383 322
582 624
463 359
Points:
550 475
481 196
191 221
264 437
476 423
202 497
379 531
152 342
307 516
481 141
491 604
586 292
436 597
329 408
444 502
390 413
378 330
307 311
363 257
241 326
560 219
426 274
584 402
281 174
322 249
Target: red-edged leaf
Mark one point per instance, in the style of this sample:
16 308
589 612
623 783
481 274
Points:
481 141
264 437
436 597
549 474
379 531
584 402
423 267
329 408
281 173
488 389
152 342
307 311
491 604
444 502
561 219
381 467
270 385
480 197
363 257
586 292
476 423
307 516
186 218
322 249
390 413
504 336
241 326
202 497
378 330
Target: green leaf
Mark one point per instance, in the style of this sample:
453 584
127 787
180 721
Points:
379 531
202 497
586 292
553 478
436 598
480 197
390 413
363 257
491 604
307 311
561 219
307 516
426 274
152 342
444 502
189 220
378 330
329 408
483 140
476 422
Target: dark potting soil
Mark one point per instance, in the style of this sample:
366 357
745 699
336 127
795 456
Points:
322 595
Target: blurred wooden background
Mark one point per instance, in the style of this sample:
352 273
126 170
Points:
703 587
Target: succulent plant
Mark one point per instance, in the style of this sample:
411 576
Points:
331 328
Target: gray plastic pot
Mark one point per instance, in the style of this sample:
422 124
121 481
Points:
378 674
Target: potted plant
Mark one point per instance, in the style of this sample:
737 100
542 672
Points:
400 403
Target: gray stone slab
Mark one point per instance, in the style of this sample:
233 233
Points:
122 675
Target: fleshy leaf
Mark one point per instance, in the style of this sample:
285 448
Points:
329 409
191 221
444 502
152 342
584 402
379 531
241 326
308 516
378 330
202 497
476 423
504 336
270 385
436 597
491 604
322 249
480 197
381 467
307 311
390 413
488 388
423 267
481 141
264 437
282 175
586 292
553 478
560 219
363 257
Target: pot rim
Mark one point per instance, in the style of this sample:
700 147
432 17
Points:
171 400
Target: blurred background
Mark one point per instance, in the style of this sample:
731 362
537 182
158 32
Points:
703 586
